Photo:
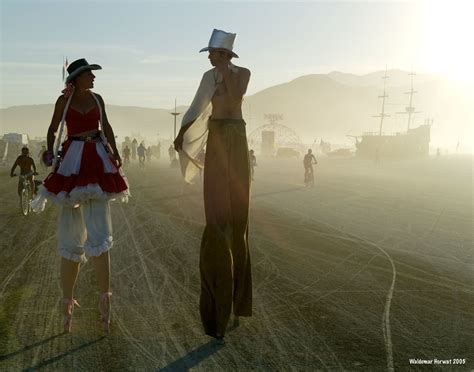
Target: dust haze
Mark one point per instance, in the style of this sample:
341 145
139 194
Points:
377 253
369 267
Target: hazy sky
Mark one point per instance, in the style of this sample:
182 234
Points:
149 49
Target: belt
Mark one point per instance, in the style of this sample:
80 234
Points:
93 138
227 121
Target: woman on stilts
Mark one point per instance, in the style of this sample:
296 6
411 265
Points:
86 176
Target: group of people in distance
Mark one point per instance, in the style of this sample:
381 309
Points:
142 152
87 174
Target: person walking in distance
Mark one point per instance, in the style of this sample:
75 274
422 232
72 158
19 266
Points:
149 153
253 162
134 148
141 150
126 155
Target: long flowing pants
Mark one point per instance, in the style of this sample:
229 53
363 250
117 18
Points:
226 279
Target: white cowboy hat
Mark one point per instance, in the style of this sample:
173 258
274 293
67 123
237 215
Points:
77 67
221 40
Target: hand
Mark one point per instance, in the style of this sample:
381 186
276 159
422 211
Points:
35 173
48 158
12 174
178 142
118 160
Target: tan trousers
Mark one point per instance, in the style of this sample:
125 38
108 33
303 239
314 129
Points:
226 279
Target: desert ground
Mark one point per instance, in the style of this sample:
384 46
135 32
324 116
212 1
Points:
368 269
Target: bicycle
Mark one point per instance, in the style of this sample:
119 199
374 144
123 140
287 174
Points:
26 194
309 176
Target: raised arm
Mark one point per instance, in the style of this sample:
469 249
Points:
236 83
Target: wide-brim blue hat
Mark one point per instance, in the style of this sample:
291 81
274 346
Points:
221 40
79 66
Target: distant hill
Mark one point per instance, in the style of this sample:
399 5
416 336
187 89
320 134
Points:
35 119
397 78
315 106
335 105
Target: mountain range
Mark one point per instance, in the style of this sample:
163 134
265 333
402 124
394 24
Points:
320 106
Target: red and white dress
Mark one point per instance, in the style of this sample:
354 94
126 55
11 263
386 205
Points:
87 170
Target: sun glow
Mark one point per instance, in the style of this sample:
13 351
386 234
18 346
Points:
447 30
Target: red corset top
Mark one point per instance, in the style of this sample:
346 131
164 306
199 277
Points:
76 122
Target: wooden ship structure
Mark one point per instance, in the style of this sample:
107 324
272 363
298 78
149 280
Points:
414 143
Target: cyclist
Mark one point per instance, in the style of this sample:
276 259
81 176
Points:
308 162
27 167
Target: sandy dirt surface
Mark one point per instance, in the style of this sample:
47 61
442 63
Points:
368 269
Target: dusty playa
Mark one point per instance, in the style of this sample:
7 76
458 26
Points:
367 270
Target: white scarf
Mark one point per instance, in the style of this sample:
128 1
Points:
195 137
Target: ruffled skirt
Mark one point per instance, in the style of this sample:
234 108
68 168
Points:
86 172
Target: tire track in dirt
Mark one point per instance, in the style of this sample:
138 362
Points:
135 228
386 314
22 263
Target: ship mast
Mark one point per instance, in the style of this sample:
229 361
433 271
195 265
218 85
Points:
410 110
382 115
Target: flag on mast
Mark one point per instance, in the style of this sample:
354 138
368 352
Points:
65 64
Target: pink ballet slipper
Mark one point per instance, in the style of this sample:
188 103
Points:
68 313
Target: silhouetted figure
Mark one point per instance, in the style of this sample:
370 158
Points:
308 162
126 155
134 148
27 167
141 150
253 162
149 153
172 154
226 281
